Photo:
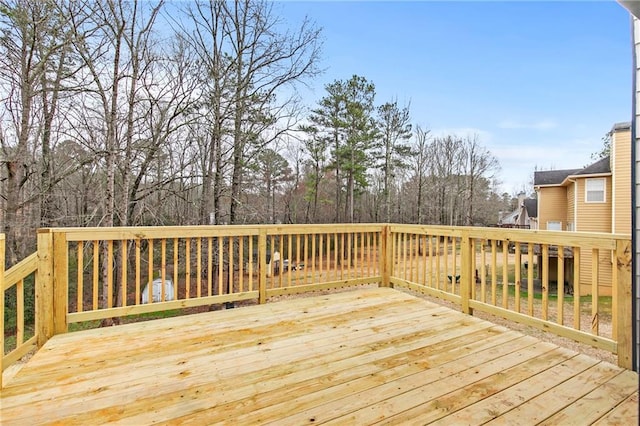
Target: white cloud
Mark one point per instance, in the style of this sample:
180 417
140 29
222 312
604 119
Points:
520 125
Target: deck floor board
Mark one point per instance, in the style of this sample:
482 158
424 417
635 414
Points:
360 357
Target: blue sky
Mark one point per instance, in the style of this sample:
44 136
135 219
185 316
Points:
540 82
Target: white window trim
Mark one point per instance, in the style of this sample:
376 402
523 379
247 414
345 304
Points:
604 190
554 221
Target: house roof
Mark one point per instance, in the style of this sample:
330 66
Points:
557 177
509 218
552 177
632 6
601 166
531 204
624 125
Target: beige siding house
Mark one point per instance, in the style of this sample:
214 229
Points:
596 198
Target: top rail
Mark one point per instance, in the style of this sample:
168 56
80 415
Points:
25 267
591 239
146 232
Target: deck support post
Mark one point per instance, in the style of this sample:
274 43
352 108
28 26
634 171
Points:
60 282
386 255
44 287
262 265
467 277
622 304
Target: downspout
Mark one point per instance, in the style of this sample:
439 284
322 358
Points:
575 204
612 166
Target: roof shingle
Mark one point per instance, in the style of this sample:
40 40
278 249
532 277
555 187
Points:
556 177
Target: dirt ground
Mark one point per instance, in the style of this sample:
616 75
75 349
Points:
543 335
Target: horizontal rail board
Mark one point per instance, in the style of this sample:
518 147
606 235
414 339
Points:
584 239
563 331
567 239
429 291
204 231
159 306
322 229
20 270
445 231
19 352
324 286
150 234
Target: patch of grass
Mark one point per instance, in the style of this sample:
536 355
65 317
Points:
85 325
154 315
10 341
605 303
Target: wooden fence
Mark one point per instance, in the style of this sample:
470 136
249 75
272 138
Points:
530 277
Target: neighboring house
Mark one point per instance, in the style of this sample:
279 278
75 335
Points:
595 198
525 216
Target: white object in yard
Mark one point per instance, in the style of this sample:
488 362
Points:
157 291
275 261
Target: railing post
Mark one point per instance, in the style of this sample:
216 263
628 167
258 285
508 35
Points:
60 282
386 255
622 332
2 260
44 287
262 262
467 277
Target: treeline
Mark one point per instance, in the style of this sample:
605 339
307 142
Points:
119 113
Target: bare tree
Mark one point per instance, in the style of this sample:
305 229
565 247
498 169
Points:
249 65
35 64
265 61
478 164
113 38
420 168
208 36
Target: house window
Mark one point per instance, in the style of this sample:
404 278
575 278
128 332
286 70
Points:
570 226
594 191
554 225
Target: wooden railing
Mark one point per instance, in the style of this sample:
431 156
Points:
101 273
18 284
575 285
90 274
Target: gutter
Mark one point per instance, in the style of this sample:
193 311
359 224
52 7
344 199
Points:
588 176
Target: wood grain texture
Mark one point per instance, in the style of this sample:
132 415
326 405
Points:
356 357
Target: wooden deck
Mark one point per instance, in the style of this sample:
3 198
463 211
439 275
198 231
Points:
358 357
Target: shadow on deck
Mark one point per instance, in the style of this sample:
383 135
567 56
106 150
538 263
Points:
356 357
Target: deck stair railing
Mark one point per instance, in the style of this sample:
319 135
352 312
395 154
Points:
18 284
548 280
